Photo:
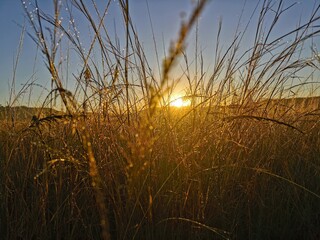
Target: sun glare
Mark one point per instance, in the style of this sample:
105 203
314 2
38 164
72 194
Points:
180 102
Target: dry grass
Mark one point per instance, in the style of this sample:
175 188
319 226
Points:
240 163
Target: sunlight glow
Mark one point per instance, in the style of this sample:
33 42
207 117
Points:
180 102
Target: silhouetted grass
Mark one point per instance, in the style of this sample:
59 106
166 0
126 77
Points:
242 162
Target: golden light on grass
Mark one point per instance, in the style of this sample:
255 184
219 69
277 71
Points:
180 102
152 153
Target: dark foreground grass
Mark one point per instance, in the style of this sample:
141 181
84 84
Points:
239 179
241 162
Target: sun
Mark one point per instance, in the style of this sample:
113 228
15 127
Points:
180 102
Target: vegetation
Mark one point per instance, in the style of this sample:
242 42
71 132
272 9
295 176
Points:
241 162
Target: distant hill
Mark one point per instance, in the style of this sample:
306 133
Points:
306 103
24 113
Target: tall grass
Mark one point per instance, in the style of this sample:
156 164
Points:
242 162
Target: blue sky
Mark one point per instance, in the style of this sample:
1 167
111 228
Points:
166 18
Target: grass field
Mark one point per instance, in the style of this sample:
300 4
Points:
240 161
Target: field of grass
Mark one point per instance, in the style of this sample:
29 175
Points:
241 162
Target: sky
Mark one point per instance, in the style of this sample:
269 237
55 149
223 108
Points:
166 18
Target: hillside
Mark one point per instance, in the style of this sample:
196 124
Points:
24 113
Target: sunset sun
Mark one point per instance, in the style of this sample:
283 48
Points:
180 102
